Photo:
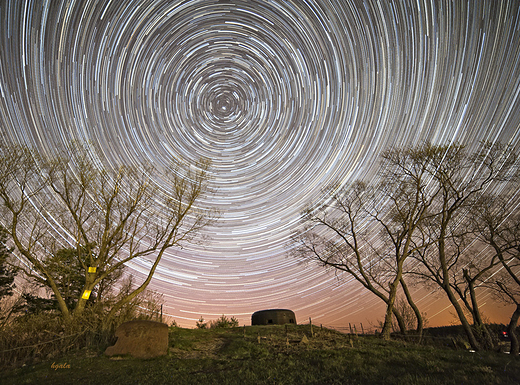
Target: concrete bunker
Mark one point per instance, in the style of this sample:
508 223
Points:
273 317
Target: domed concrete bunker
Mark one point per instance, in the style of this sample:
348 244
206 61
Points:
273 317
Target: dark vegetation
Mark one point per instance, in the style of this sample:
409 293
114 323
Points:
43 335
436 217
281 355
221 322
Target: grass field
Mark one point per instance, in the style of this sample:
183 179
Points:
278 355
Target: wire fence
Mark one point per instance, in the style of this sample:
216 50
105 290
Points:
447 339
350 328
25 348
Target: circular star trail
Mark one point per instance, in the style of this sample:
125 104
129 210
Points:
285 97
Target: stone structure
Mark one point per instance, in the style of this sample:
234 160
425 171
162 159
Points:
140 339
273 317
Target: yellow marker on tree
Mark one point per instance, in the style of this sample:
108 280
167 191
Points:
92 269
86 294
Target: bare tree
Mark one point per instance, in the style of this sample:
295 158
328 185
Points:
334 236
497 220
467 269
462 179
109 217
419 207
370 231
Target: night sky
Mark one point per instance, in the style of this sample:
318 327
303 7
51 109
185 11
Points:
284 97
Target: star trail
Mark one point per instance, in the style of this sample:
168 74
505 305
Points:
285 97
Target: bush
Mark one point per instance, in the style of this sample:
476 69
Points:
36 337
223 322
201 324
42 334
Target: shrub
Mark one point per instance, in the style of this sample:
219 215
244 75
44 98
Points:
201 324
223 322
43 334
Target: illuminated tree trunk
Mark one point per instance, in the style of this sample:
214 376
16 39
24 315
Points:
453 299
477 318
511 330
418 315
387 326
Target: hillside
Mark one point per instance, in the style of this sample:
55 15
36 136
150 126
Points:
279 355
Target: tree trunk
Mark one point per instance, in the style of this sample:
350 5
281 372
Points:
511 330
387 326
445 284
464 322
477 319
475 312
82 302
400 320
418 315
